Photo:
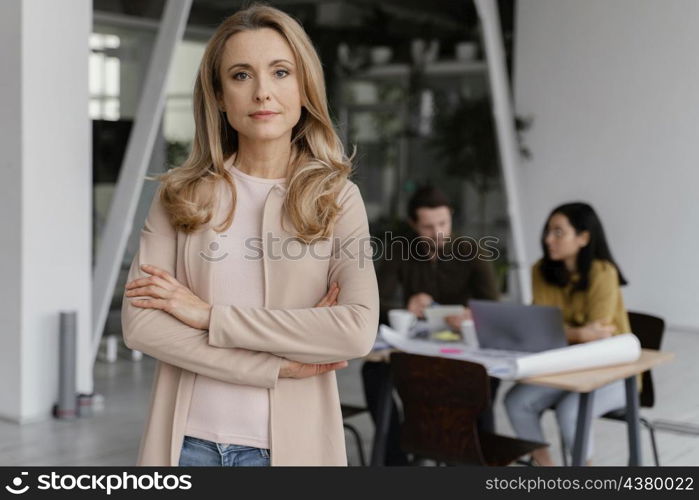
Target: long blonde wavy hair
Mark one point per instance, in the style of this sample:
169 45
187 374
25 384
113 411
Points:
318 165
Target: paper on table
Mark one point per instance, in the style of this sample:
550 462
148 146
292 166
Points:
380 344
619 349
454 350
615 350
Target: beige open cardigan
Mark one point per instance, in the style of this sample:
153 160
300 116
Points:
246 345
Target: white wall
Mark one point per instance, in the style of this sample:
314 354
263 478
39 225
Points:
10 208
46 199
613 88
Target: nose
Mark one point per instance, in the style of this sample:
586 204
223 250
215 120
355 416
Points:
261 92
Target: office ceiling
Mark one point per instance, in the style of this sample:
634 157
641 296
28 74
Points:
330 22
399 18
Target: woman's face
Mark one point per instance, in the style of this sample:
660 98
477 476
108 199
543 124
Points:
260 86
562 242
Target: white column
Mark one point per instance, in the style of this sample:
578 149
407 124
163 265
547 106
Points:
506 135
45 199
145 131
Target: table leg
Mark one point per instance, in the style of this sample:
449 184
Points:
633 421
582 430
383 420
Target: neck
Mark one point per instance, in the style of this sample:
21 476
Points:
268 159
571 264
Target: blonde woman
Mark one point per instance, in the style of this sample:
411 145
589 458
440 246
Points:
253 281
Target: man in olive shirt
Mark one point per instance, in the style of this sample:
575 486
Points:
415 274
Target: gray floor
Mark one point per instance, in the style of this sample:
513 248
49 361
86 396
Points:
112 436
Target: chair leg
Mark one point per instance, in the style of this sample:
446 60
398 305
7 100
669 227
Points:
654 445
358 440
564 452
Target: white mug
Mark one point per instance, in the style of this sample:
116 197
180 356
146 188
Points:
401 320
468 334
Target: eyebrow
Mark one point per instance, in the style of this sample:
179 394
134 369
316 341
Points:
248 66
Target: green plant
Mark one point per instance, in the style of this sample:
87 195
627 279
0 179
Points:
177 152
465 143
464 138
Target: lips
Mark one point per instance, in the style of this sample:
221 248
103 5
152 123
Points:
262 114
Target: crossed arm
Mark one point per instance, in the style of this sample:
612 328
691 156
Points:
251 346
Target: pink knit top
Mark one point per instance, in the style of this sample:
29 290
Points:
220 411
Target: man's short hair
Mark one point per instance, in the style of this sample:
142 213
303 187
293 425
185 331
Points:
426 197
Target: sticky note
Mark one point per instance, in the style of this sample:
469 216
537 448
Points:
450 350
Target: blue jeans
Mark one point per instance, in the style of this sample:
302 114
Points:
202 453
526 403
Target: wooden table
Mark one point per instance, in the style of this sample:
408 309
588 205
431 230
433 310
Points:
584 382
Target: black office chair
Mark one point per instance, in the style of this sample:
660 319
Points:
442 399
649 330
349 411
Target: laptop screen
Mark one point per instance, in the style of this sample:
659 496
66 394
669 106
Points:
516 327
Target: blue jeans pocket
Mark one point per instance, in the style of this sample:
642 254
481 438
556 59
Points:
202 443
199 452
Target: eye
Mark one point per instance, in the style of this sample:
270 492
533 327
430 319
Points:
281 73
242 75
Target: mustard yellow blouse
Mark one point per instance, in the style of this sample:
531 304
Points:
601 301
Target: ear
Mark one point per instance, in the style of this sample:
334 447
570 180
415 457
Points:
584 238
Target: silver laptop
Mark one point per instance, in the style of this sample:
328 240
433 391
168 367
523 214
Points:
514 329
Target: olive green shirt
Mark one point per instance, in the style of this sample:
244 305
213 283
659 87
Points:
602 300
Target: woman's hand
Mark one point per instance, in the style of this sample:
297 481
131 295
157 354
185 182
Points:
294 369
330 298
595 330
169 295
598 330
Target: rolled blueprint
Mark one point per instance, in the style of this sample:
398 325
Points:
615 350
